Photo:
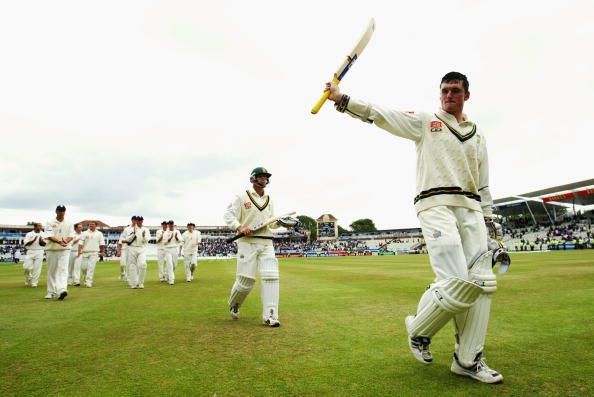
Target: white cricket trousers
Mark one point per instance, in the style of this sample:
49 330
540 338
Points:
455 238
87 265
74 268
32 266
136 264
171 255
123 263
57 271
162 263
190 260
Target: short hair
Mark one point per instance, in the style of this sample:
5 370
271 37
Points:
77 225
455 76
163 223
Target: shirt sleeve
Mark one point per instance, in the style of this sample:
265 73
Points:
233 214
484 191
403 124
28 238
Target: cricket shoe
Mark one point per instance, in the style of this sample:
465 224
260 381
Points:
141 286
419 346
62 295
234 311
272 322
479 370
49 296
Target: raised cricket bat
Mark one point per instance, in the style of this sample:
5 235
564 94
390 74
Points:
346 65
261 225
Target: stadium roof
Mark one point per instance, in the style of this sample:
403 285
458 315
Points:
574 195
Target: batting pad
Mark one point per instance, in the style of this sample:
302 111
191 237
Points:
241 289
471 326
445 299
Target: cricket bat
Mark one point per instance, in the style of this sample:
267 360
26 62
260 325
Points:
346 65
261 225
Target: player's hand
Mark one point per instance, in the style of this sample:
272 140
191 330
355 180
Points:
335 94
246 231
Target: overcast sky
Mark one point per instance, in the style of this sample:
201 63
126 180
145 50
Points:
162 108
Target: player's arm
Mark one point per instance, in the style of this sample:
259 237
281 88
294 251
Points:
80 247
402 124
232 216
28 240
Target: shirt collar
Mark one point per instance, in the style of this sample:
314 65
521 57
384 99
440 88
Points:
255 194
450 117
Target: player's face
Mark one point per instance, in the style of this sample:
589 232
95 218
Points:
191 228
92 226
164 227
262 180
37 227
453 96
78 228
171 227
60 215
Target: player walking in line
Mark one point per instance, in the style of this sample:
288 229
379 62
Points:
161 262
191 238
255 251
35 244
137 240
91 246
172 239
59 235
453 206
75 258
123 249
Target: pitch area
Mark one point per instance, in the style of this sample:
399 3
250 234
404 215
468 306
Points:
342 333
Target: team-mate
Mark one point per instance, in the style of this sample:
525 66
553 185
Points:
91 246
453 205
75 258
35 244
255 251
59 235
123 249
137 240
191 239
161 260
172 239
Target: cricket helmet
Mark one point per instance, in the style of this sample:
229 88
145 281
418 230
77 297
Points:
259 171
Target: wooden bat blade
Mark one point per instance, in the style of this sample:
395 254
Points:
346 65
260 226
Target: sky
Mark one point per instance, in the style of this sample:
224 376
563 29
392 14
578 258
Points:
162 108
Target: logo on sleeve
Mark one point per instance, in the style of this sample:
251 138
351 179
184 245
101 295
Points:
436 126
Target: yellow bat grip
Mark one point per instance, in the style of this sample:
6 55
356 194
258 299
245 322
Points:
323 99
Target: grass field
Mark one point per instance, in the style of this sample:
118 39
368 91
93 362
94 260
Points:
342 333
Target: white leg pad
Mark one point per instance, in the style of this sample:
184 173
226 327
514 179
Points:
241 289
444 299
471 326
270 287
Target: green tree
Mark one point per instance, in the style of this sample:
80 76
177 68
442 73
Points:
363 225
342 231
309 224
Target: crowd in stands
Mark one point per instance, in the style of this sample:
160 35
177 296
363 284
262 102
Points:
216 247
322 246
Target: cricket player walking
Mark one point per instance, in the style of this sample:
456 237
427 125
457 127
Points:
453 206
59 235
90 247
161 261
255 250
172 239
123 249
191 238
75 258
35 244
137 240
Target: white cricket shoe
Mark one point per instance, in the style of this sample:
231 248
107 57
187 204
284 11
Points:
33 285
234 311
141 286
49 296
479 371
419 346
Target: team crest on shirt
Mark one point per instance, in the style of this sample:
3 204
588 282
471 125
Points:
247 205
436 126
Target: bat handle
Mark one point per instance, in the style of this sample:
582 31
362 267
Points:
316 108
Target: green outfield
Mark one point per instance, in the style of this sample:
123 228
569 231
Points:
342 333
